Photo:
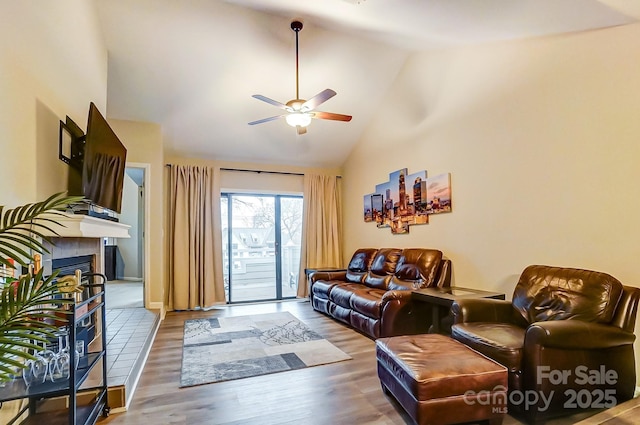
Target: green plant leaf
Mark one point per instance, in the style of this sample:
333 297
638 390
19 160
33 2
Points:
27 223
28 304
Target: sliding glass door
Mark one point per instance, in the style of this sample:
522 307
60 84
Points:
261 237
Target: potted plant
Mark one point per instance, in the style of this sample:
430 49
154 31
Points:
27 303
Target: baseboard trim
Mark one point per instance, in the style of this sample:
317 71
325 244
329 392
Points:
118 410
158 305
132 279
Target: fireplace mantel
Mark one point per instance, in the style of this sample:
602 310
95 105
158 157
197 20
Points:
78 235
84 226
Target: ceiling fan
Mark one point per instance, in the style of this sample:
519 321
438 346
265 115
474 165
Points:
301 111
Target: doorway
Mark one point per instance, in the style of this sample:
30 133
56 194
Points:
125 258
261 237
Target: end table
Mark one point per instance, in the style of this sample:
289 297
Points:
441 300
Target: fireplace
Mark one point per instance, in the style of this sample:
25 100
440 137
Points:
79 236
68 266
69 254
78 243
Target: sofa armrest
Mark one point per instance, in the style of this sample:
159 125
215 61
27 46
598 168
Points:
444 277
338 274
627 309
576 335
401 315
482 310
396 295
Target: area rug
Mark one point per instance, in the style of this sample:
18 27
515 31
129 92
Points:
226 348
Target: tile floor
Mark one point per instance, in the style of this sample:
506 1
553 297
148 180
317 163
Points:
124 294
128 333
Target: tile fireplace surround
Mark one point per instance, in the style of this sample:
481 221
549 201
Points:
80 235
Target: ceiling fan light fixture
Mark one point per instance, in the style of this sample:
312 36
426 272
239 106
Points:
301 111
298 119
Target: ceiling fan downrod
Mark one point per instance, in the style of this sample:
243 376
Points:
296 26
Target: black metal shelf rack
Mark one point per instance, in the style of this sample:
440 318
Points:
92 307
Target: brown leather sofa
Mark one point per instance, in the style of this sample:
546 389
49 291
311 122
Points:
373 295
566 338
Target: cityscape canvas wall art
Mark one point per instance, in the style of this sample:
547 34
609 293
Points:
439 194
407 199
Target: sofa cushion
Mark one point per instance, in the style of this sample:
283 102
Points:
554 293
416 268
360 264
341 313
366 324
320 304
341 294
502 342
382 267
362 259
321 288
368 301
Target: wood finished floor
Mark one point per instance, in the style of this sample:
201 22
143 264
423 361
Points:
347 392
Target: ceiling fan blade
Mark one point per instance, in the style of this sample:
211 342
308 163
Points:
271 101
301 130
316 100
266 120
331 116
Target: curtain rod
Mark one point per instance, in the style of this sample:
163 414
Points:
261 171
246 170
264 171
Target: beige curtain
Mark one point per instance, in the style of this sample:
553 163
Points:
192 278
321 227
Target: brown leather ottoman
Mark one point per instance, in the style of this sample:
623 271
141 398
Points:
438 380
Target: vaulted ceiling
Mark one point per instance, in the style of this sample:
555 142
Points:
192 66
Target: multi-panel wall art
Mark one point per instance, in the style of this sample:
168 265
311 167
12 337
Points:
408 199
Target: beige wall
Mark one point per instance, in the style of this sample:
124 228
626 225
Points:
52 64
144 146
542 140
242 182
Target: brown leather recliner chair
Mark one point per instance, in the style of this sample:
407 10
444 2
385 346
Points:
566 338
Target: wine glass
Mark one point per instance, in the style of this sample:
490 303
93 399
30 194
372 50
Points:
40 366
59 362
79 352
27 373
36 369
62 365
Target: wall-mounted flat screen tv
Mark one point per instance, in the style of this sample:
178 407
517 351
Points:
98 164
104 163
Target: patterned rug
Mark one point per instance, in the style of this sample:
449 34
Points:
226 348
